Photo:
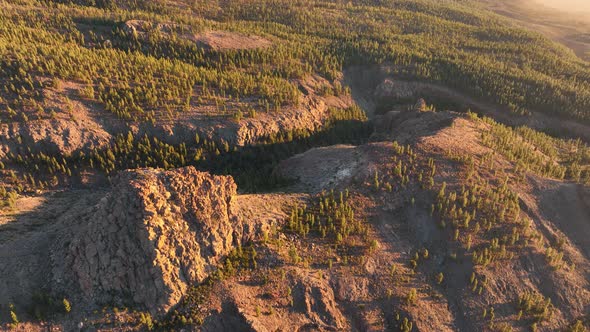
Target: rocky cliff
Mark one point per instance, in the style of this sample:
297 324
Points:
152 236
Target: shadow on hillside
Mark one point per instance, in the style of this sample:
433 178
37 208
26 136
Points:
253 166
380 89
25 251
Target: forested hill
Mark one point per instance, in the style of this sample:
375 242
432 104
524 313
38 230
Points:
438 41
301 165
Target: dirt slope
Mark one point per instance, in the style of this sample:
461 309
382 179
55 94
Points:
557 209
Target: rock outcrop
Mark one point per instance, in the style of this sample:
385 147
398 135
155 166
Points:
312 115
152 236
51 136
333 166
315 298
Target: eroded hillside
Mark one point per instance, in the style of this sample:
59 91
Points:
431 227
264 165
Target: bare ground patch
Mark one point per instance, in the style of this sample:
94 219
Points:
224 40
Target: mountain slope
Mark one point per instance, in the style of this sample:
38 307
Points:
433 231
264 165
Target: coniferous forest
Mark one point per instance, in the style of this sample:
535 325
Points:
329 165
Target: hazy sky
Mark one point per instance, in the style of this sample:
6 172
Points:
575 6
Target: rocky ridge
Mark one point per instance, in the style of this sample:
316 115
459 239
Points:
153 235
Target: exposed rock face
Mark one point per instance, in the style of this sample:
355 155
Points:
51 136
315 298
333 166
352 289
311 115
152 236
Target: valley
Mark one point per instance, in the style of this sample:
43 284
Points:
566 22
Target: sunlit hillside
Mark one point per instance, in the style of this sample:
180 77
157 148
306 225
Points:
294 165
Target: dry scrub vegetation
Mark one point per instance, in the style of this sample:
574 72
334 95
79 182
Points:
207 165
